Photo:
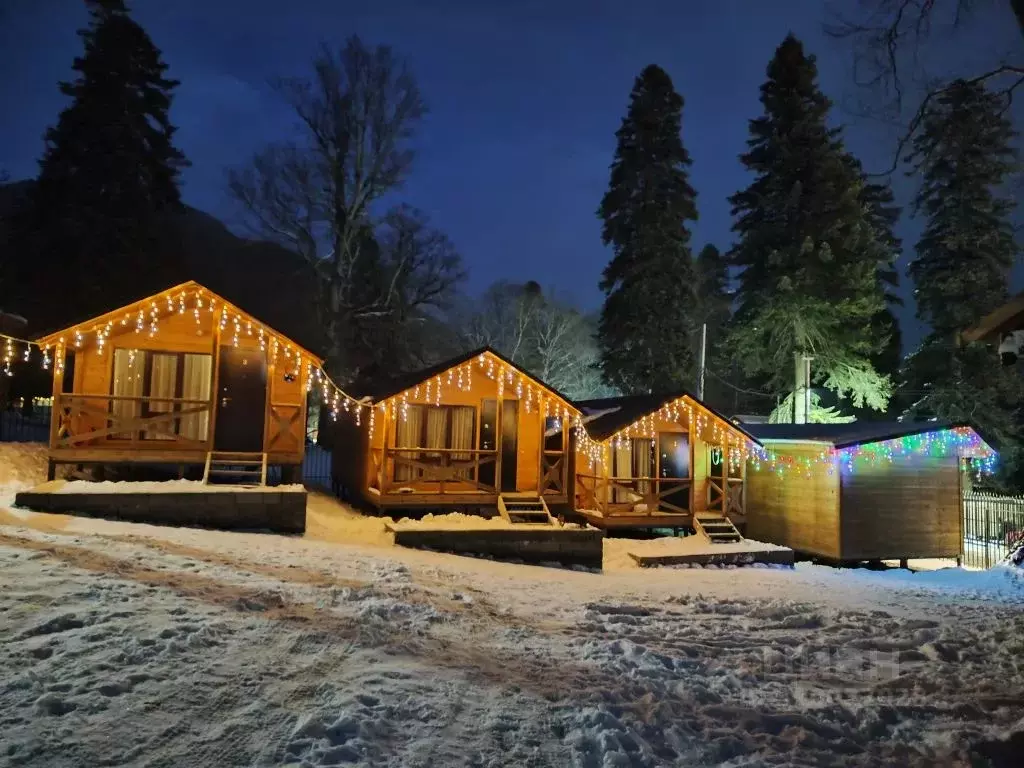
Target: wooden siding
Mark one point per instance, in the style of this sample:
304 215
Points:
909 508
594 483
285 408
374 464
793 509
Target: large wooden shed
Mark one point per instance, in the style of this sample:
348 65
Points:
862 491
475 431
183 377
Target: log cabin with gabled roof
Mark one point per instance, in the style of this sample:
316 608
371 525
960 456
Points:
183 377
474 431
658 461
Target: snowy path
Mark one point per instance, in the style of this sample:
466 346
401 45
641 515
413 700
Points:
138 645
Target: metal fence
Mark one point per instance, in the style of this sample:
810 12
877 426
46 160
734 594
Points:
21 425
991 523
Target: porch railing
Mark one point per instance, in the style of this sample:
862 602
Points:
554 472
411 468
633 496
81 421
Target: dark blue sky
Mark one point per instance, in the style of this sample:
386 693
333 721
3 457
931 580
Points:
525 98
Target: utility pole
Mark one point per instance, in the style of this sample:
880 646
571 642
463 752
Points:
802 389
703 353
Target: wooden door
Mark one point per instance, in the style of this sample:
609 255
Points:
241 400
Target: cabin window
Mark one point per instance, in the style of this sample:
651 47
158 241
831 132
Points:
553 434
147 383
437 433
633 466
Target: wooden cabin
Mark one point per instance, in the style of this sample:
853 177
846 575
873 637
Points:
471 432
182 378
862 491
655 461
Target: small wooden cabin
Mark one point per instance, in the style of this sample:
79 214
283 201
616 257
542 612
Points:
862 491
657 460
176 378
464 433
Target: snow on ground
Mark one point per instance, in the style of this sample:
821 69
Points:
161 486
22 465
127 644
139 645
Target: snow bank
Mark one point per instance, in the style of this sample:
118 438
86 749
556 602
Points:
695 545
22 465
165 486
1002 583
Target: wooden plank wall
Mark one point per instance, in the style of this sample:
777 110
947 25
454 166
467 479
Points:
792 509
909 508
181 333
529 427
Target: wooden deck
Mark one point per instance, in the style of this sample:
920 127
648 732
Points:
749 557
655 519
222 507
446 500
536 544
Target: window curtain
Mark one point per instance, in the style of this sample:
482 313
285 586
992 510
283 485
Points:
623 466
437 430
127 382
643 464
195 385
408 434
462 436
163 381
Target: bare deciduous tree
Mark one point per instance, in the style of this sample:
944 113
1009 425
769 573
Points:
317 196
545 335
889 40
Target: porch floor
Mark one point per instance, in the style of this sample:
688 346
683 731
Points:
699 550
176 502
498 538
655 519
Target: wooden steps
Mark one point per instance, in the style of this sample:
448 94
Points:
235 468
524 508
717 529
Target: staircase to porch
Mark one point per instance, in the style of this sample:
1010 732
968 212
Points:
235 468
717 528
524 508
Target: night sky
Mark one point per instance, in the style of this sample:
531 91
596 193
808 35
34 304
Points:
524 103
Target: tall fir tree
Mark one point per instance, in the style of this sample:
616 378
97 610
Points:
646 331
808 253
963 155
98 215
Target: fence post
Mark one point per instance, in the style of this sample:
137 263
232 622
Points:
988 557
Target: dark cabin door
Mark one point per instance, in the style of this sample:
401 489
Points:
488 442
509 443
241 400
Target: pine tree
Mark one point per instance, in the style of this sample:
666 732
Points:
97 217
808 252
646 327
963 155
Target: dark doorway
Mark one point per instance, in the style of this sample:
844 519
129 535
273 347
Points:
241 400
509 443
488 441
674 462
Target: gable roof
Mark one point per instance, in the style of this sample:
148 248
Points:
384 388
610 415
1008 317
854 433
172 297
